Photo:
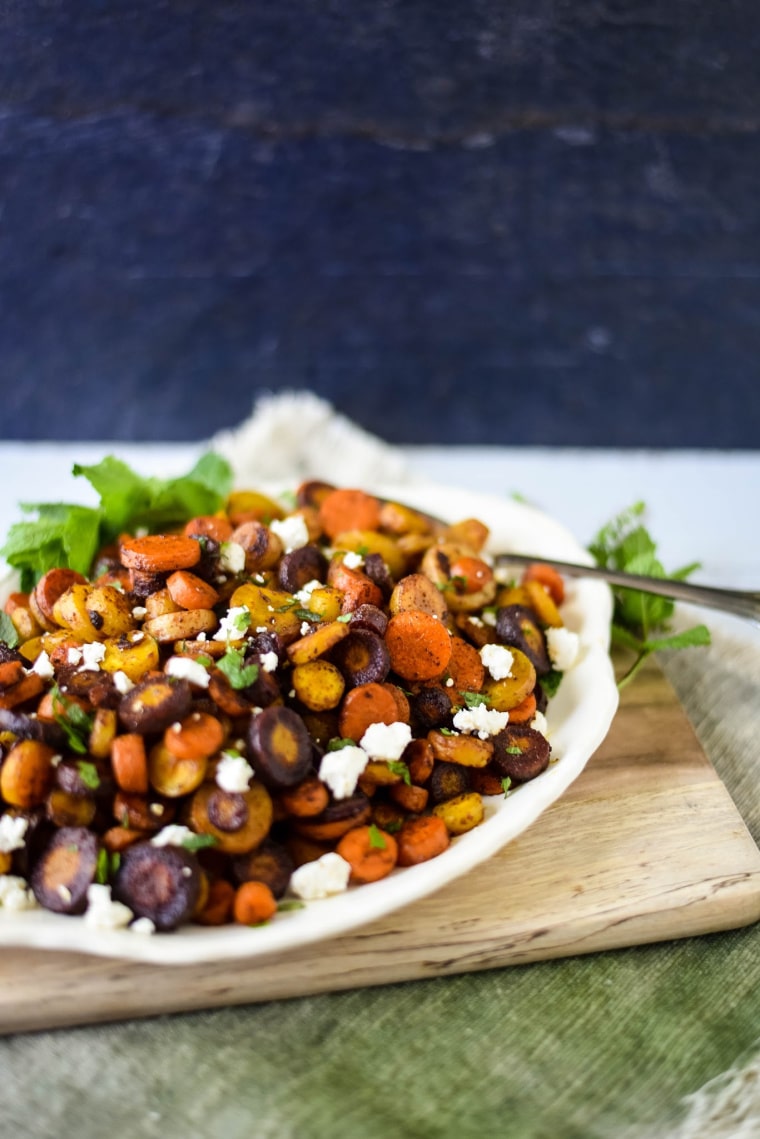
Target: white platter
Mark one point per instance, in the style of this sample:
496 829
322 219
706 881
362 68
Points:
578 717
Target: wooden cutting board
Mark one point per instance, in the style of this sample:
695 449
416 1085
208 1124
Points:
645 846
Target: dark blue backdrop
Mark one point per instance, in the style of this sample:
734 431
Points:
528 222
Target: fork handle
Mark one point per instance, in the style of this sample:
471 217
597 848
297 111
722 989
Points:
742 603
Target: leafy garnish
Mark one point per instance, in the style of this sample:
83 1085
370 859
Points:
513 750
88 773
194 842
640 621
337 743
205 660
447 732
376 838
307 615
69 535
473 699
506 784
289 904
398 767
74 722
8 634
550 682
106 866
344 618
240 675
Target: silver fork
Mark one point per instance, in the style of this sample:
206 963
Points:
740 602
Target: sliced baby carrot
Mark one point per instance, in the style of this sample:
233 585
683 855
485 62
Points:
421 839
524 712
547 576
198 736
306 799
419 645
356 587
345 509
25 689
11 672
159 553
370 852
129 762
209 526
364 705
465 667
473 574
253 903
190 591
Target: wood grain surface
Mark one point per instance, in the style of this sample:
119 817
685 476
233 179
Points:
645 846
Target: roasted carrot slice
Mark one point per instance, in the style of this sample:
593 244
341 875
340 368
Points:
159 553
217 909
190 591
198 736
421 839
209 526
367 704
254 902
129 762
547 576
370 852
524 712
345 509
419 645
465 667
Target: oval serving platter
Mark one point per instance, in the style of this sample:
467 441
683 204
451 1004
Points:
579 717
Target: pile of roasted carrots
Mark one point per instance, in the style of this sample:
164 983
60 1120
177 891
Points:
214 709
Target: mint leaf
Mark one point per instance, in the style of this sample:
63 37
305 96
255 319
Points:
690 638
550 682
8 634
240 675
376 838
198 841
337 743
74 722
88 773
398 767
473 699
506 784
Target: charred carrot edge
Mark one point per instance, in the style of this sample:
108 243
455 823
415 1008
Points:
159 553
253 903
25 689
198 736
209 526
474 572
346 509
547 576
364 705
419 645
11 671
370 852
307 799
130 762
190 591
465 667
421 839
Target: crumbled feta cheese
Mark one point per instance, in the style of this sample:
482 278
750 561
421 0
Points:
104 913
489 618
201 637
539 724
92 655
497 660
450 682
143 926
234 624
14 894
341 769
12 831
43 667
327 875
157 809
232 557
122 683
292 532
174 835
563 646
305 628
352 560
135 638
473 620
184 668
233 773
138 612
386 741
269 661
304 594
262 629
481 720
74 656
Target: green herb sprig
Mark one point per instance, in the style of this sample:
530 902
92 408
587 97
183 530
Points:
240 675
640 621
65 534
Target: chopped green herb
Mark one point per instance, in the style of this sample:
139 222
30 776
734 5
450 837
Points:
640 621
74 722
286 607
8 634
199 841
376 838
102 867
362 551
337 743
393 826
514 750
506 784
240 675
398 767
474 699
205 660
289 500
65 534
446 732
551 681
307 615
456 583
344 618
289 904
88 773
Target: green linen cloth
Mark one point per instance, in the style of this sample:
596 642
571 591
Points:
598 1047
